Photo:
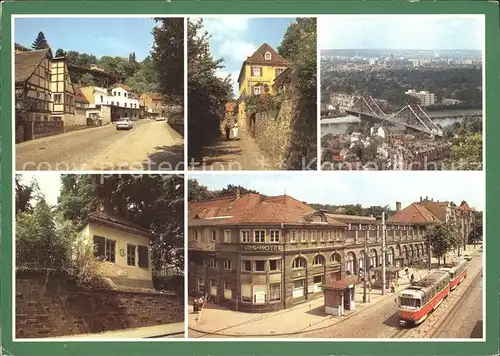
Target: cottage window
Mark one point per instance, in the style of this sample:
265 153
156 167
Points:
125 94
267 56
227 236
105 248
275 265
260 266
246 266
259 236
227 264
102 99
131 255
274 236
274 292
213 263
256 71
245 236
256 90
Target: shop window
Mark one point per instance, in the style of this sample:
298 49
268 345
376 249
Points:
259 294
246 293
274 292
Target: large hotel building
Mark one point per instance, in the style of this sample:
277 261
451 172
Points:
260 253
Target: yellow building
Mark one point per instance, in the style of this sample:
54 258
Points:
125 248
63 94
257 76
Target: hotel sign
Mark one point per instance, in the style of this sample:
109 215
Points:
261 248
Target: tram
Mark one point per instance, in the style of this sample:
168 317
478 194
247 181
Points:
422 297
457 273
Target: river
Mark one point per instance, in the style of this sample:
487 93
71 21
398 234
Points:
339 125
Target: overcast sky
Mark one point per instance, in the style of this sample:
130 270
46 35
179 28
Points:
365 188
421 32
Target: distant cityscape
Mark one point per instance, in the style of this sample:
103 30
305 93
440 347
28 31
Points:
399 109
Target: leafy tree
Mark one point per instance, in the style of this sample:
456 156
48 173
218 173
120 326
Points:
207 92
40 42
168 57
24 196
198 192
60 53
145 79
444 238
299 46
467 153
231 190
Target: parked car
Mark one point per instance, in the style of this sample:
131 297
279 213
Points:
160 118
124 123
467 257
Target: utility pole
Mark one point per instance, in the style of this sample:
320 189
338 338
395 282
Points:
429 250
365 267
383 254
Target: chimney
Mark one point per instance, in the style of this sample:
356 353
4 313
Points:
398 206
238 193
426 198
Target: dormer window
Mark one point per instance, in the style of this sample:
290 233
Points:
267 56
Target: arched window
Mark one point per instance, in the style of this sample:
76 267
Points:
318 260
267 56
349 263
213 263
227 264
299 262
335 258
373 258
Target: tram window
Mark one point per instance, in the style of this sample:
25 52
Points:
417 304
407 302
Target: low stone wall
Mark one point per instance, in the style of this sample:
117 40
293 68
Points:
55 306
273 131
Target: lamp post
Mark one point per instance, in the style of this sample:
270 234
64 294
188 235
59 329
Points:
365 264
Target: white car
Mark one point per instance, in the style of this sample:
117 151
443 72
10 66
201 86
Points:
124 123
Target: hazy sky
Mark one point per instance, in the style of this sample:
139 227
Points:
423 32
234 38
365 188
97 36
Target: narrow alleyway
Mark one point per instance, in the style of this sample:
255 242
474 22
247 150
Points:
242 153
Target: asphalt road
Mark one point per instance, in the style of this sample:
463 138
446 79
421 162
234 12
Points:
150 145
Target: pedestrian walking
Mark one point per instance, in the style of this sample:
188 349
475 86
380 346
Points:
227 128
412 278
235 130
196 307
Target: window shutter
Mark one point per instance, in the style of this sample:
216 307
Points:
260 70
99 246
143 257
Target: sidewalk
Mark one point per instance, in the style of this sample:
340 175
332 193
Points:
174 330
307 316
